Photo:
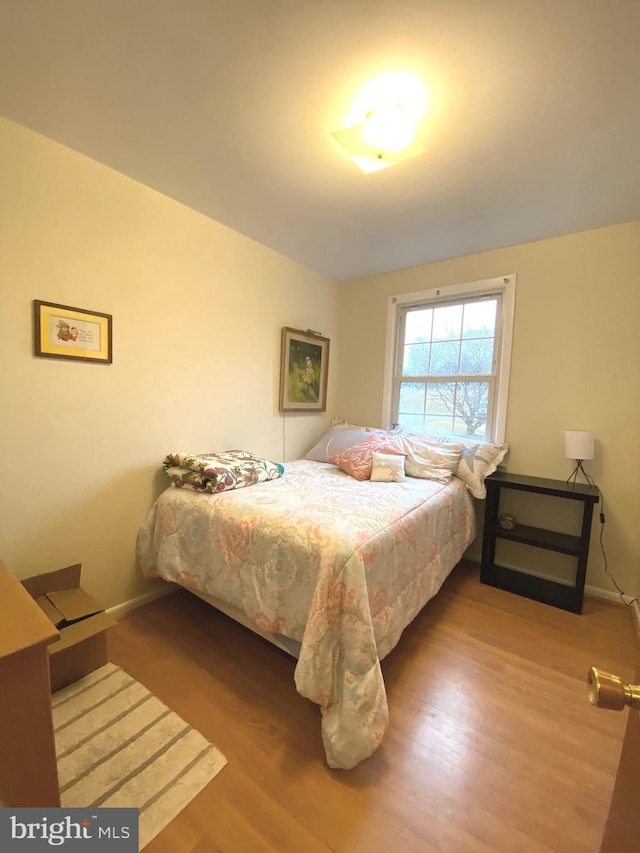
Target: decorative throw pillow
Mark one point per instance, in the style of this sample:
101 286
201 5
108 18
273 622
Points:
477 460
336 440
356 460
387 467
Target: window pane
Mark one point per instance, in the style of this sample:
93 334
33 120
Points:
411 398
458 406
414 422
418 326
416 359
460 428
440 398
471 407
440 406
447 322
479 319
442 425
476 356
444 358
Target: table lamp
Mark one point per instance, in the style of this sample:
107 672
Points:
578 445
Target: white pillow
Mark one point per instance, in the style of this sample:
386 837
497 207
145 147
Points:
387 468
428 460
477 460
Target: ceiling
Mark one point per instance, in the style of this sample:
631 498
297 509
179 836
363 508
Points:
227 106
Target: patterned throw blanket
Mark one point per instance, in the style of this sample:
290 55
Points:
219 472
340 565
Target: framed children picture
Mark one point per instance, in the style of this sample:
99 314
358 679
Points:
60 331
304 371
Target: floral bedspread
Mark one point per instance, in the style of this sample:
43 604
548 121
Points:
340 565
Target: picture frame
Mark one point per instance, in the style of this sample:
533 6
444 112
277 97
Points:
304 371
61 331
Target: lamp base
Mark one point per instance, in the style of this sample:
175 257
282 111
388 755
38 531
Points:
572 478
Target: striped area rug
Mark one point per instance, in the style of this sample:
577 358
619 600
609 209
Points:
118 745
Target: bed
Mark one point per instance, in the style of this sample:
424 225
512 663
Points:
333 566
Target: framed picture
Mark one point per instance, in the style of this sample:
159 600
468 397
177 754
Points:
304 371
61 331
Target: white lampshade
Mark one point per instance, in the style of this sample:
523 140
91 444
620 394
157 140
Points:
578 444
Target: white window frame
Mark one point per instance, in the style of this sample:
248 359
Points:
506 287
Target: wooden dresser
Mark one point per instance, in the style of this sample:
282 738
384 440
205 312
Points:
28 770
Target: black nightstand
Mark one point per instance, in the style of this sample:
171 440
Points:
550 592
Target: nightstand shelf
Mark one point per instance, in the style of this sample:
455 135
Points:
539 538
566 596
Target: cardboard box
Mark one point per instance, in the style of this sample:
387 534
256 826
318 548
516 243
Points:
81 621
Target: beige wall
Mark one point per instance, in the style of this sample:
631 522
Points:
575 364
197 315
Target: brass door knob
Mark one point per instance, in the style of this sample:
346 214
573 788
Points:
608 691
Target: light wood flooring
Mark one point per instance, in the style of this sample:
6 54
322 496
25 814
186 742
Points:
492 743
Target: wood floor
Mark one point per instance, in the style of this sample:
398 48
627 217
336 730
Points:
492 744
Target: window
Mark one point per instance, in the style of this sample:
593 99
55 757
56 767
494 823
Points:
450 360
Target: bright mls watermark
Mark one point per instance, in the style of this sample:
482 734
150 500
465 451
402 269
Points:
80 830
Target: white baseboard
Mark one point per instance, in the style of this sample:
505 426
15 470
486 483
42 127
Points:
607 595
126 606
590 591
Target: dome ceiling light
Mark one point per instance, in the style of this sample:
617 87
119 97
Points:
385 122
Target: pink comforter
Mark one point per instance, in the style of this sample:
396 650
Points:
341 566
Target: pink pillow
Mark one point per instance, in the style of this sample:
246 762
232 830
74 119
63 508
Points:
357 460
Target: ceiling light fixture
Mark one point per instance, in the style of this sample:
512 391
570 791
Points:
387 111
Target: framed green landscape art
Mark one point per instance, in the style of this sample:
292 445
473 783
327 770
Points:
304 371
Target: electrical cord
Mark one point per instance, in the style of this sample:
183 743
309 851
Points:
284 437
621 592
